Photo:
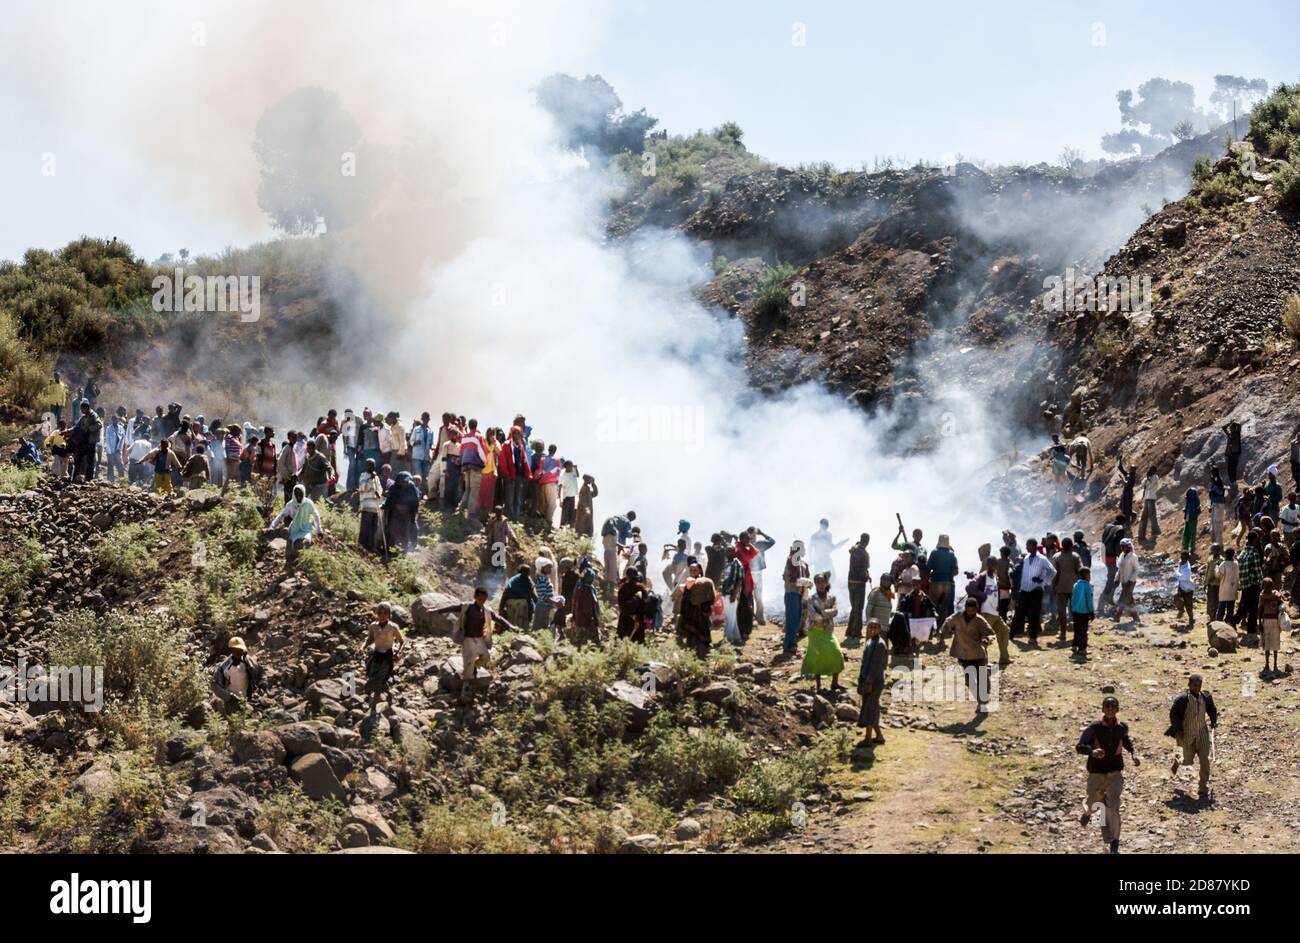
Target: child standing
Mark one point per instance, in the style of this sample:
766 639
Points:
1082 609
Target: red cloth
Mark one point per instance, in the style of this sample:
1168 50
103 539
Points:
506 463
746 554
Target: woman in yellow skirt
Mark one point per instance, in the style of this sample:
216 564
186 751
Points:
823 656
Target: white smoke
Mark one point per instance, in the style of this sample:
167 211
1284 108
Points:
499 291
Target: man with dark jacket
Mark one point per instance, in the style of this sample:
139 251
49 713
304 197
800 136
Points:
942 564
236 678
1192 717
1104 743
859 577
1111 535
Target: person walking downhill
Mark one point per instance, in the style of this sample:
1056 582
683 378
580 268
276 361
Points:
1192 720
1126 572
971 635
1185 590
1104 743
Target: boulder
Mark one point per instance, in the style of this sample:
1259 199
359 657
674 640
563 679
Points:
450 676
251 745
97 780
354 835
687 830
184 745
307 736
715 692
368 817
846 712
1223 637
639 844
326 689
201 500
639 701
314 774
222 807
423 618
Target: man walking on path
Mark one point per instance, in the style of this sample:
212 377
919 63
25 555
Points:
1191 719
1104 743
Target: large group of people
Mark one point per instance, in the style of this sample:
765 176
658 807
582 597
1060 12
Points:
712 593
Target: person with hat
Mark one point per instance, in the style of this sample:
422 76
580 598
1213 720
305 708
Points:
383 641
942 567
1104 743
1126 572
236 678
229 448
871 681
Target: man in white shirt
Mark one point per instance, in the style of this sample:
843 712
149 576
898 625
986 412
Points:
351 433
1036 574
1289 517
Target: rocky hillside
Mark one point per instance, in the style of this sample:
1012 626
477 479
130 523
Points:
625 748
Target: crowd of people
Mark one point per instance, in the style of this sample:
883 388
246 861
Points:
923 598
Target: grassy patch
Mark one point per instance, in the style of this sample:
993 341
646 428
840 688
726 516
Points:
125 552
21 565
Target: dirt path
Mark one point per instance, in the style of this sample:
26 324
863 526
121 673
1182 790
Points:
1012 782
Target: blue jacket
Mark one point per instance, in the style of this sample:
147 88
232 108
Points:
943 565
1081 598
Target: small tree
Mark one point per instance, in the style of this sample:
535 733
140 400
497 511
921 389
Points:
307 146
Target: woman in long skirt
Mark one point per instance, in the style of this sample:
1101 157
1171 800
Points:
824 656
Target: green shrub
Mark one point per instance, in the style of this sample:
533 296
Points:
21 565
151 675
1286 179
684 765
125 552
14 479
116 820
1202 170
296 823
1291 315
771 298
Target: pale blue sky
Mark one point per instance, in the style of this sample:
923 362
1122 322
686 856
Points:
110 91
1002 81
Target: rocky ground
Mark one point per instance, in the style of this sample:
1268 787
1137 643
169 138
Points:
531 762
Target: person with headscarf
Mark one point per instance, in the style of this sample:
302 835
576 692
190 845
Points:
584 515
631 600
303 520
568 582
370 494
401 504
1271 607
796 580
694 610
823 656
584 624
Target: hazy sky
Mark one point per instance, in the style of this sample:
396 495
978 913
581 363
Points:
1006 82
